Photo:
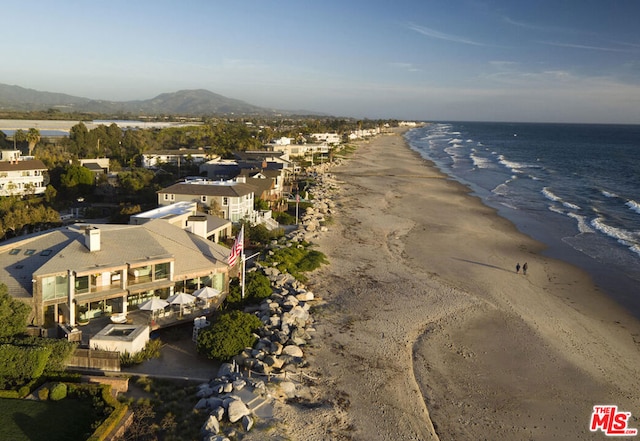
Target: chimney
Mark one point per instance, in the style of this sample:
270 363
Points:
92 238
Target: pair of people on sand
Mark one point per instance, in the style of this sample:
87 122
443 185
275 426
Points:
524 268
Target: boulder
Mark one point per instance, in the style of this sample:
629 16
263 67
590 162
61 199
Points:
247 423
288 389
293 351
236 410
211 425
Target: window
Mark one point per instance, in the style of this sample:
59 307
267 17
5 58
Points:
203 198
14 251
82 284
172 197
54 287
46 252
29 252
225 201
162 270
166 196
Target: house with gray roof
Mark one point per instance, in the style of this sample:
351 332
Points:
107 269
228 199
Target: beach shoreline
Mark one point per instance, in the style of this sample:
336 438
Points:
427 332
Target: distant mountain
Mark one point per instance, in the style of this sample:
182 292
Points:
184 102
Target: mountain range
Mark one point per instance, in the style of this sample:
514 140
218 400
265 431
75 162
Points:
198 102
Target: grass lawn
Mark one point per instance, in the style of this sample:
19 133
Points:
28 420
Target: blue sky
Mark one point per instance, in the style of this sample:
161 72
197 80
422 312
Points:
491 60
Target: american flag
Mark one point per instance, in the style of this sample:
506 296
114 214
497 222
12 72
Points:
236 250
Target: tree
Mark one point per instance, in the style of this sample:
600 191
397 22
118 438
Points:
13 314
19 137
228 335
33 137
76 175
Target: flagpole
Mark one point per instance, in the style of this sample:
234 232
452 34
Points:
243 261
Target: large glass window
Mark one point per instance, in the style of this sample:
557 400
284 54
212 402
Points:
54 287
162 270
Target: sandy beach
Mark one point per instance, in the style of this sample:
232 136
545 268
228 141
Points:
426 332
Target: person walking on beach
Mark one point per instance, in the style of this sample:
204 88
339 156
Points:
518 268
524 268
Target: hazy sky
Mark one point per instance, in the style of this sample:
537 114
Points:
488 60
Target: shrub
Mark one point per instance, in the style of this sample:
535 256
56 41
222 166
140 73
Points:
257 287
296 259
151 350
228 335
43 393
58 392
284 218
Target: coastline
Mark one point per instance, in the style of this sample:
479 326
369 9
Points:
427 332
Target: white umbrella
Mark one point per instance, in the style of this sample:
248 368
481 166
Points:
207 293
182 298
153 304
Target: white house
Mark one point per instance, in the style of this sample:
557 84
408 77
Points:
327 138
21 177
174 157
229 199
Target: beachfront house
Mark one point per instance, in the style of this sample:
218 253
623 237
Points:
230 200
20 176
83 271
174 157
186 216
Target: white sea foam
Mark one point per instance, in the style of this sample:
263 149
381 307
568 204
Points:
570 205
501 189
608 194
623 236
549 195
455 141
515 167
480 162
469 140
555 209
633 205
583 224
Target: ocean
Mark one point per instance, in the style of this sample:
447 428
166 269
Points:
573 187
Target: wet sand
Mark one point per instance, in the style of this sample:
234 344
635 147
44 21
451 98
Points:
428 333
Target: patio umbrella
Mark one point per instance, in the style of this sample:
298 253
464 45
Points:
207 293
182 298
154 304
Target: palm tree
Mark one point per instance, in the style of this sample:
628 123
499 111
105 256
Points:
33 137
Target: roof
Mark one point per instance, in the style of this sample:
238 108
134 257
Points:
29 164
260 185
209 188
63 249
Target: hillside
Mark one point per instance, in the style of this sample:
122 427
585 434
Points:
184 102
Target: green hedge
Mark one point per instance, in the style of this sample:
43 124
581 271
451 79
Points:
21 364
114 418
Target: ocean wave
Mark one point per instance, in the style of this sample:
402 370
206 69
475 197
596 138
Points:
501 189
455 141
633 205
549 195
623 236
515 167
583 224
608 194
480 162
555 209
570 205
